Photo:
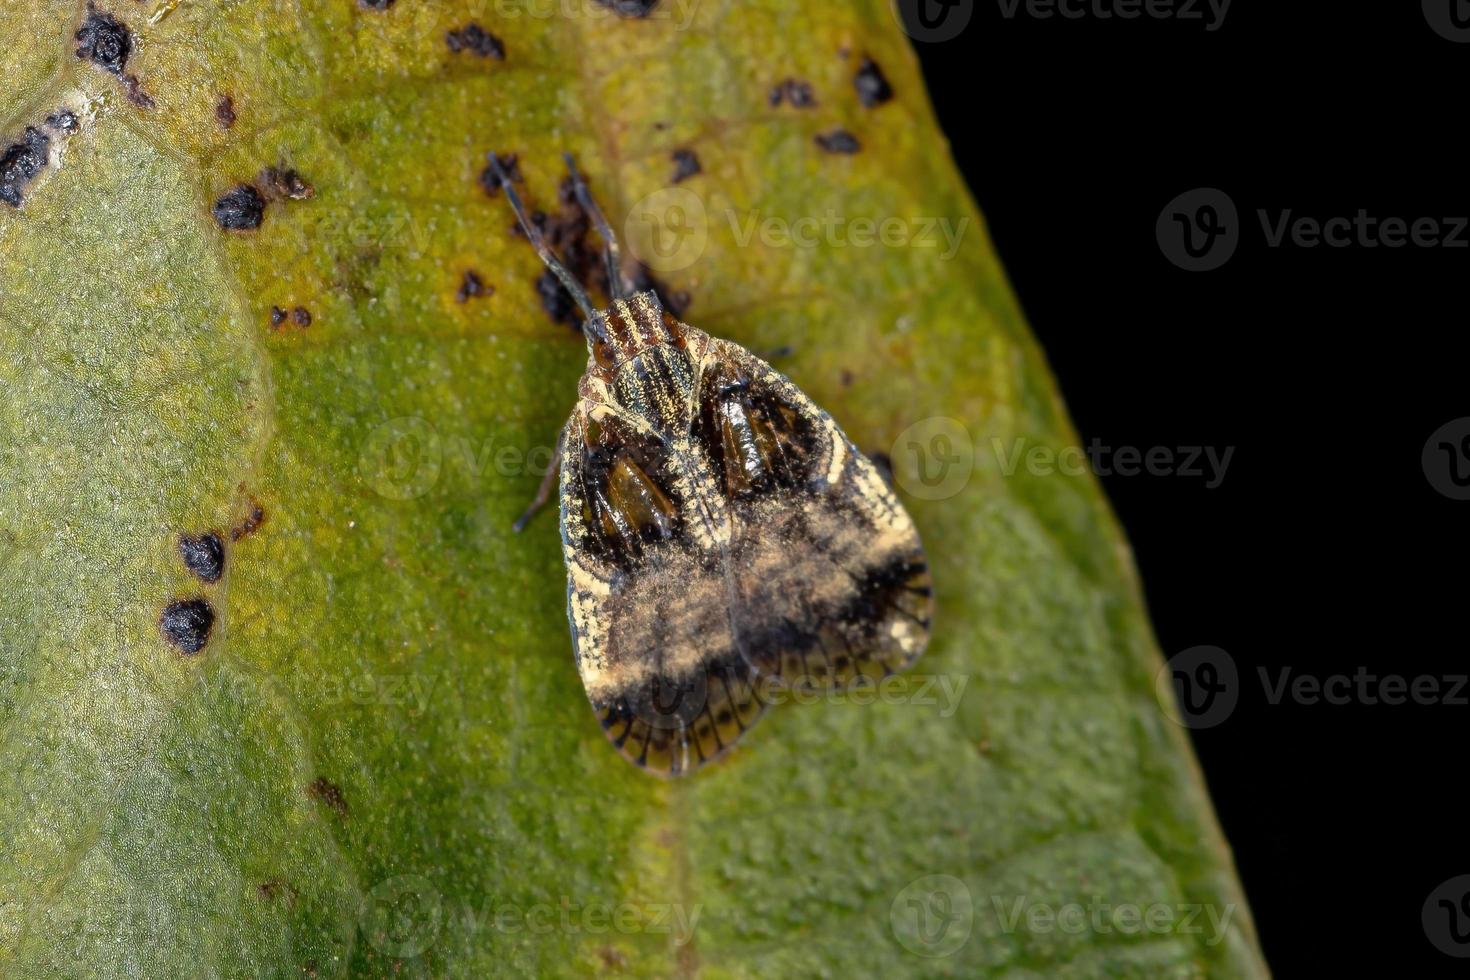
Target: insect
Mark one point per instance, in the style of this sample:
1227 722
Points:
724 541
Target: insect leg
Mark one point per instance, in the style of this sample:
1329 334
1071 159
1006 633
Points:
543 492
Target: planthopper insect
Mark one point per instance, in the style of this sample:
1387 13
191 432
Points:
724 541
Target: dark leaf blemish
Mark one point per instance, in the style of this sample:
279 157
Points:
328 792
204 555
105 41
476 40
275 888
630 8
285 182
686 164
278 316
555 300
797 94
490 180
240 209
838 141
375 4
567 233
301 316
186 624
63 121
20 162
252 521
675 301
224 111
872 87
135 93
471 286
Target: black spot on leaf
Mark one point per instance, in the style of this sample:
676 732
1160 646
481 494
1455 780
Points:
134 90
328 792
838 141
20 162
284 182
555 300
105 41
251 523
301 316
675 301
204 555
872 88
630 8
796 93
224 111
490 180
471 286
63 121
240 209
275 888
476 40
686 164
278 316
186 624
375 4
568 233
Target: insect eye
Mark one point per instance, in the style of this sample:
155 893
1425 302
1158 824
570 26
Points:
602 353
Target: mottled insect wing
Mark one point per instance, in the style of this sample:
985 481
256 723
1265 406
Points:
831 579
723 541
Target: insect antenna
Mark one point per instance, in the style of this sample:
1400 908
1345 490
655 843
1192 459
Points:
609 241
562 273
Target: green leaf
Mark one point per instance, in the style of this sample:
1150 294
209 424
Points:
381 761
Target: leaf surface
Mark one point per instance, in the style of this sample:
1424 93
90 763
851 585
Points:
381 761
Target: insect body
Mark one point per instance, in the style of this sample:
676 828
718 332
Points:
724 541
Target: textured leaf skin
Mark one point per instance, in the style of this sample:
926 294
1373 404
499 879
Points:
384 745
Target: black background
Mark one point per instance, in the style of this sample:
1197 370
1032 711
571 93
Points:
1325 549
